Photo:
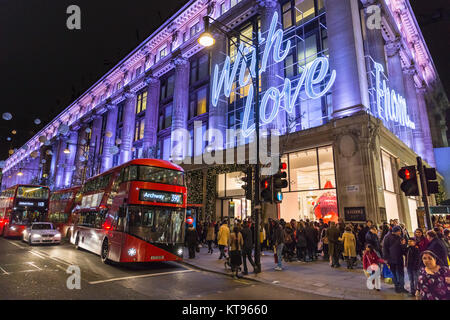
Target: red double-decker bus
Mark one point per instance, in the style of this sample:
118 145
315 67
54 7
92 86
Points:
133 213
21 205
61 207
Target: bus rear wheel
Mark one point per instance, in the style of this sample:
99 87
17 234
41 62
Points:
105 251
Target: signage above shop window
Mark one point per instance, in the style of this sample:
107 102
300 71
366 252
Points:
160 196
313 78
355 213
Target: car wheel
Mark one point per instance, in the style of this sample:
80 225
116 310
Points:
105 251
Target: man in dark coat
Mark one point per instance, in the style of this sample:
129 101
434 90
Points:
311 240
362 234
191 239
333 244
394 247
278 242
372 239
248 246
438 247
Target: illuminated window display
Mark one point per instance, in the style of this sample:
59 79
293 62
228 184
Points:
312 186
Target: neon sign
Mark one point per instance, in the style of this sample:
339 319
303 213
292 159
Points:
390 105
312 74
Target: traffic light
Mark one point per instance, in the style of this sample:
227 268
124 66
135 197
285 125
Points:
266 190
279 183
430 174
247 186
409 185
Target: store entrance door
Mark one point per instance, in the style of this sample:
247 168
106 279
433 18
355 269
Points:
237 208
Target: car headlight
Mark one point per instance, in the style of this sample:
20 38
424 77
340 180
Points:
36 236
57 235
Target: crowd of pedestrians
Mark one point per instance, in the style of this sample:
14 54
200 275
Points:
388 247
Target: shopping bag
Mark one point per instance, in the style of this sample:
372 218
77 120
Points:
387 274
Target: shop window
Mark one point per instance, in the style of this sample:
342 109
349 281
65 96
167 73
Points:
387 172
304 173
326 168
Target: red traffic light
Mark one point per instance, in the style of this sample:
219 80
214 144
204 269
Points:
283 166
266 184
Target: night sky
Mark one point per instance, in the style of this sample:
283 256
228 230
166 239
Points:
45 66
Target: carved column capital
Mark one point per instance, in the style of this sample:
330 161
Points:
393 46
179 62
267 3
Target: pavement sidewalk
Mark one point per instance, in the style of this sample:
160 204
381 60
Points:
313 277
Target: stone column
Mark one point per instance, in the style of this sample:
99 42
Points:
425 126
94 160
61 159
396 82
129 117
413 110
218 114
350 90
111 123
70 161
274 73
180 105
80 157
151 115
374 36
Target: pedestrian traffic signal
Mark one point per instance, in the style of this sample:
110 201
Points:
248 180
432 186
409 185
266 190
279 183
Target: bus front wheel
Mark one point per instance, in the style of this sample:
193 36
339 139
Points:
77 241
105 251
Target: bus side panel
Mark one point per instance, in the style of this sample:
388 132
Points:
115 245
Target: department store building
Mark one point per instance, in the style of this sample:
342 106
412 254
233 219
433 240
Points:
349 86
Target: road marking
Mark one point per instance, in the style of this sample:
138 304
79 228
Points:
32 264
140 276
4 271
16 245
36 254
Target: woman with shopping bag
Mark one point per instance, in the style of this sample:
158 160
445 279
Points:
372 268
236 244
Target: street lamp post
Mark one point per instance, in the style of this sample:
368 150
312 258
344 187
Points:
206 39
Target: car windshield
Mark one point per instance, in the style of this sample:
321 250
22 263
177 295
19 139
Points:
156 224
42 226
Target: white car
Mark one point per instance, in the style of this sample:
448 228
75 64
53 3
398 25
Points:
41 232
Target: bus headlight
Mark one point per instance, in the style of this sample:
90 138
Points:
180 251
132 252
13 228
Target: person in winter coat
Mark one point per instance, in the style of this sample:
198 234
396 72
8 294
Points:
324 240
236 245
421 240
301 242
247 247
362 234
333 244
289 243
447 240
191 239
371 257
434 280
311 240
438 247
278 241
372 239
394 247
413 265
210 236
349 240
223 238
